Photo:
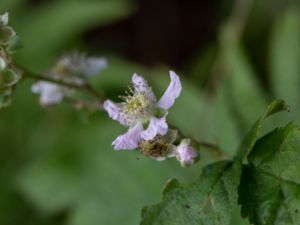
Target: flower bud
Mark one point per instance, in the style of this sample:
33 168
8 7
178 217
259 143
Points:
2 64
6 34
4 19
185 153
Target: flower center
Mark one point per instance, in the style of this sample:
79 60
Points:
136 106
136 103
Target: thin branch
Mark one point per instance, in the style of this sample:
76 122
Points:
86 87
216 150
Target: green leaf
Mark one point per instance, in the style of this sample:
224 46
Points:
212 198
252 136
270 184
207 201
285 56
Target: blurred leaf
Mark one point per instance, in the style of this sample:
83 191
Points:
285 56
202 64
46 30
8 5
245 93
218 124
270 186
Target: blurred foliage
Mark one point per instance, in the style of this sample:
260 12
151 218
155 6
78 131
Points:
57 165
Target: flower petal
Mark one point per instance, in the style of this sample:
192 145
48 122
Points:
139 83
129 140
49 93
156 126
141 86
172 92
4 19
94 65
185 153
114 112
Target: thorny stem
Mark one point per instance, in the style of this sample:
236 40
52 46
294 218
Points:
86 87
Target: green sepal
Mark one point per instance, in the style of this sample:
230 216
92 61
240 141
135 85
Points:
5 101
14 44
6 34
8 78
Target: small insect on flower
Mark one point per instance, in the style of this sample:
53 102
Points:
141 112
74 68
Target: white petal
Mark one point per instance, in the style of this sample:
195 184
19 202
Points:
156 126
141 86
129 140
114 111
4 19
139 83
94 65
172 92
49 93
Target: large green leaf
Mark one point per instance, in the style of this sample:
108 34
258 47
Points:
207 201
270 186
212 198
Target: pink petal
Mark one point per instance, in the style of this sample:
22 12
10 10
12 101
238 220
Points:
141 86
139 83
129 140
156 126
172 92
186 154
114 111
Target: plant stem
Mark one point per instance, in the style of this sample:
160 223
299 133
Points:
86 87
216 151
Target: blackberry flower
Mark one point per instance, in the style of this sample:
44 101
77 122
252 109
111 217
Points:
140 111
